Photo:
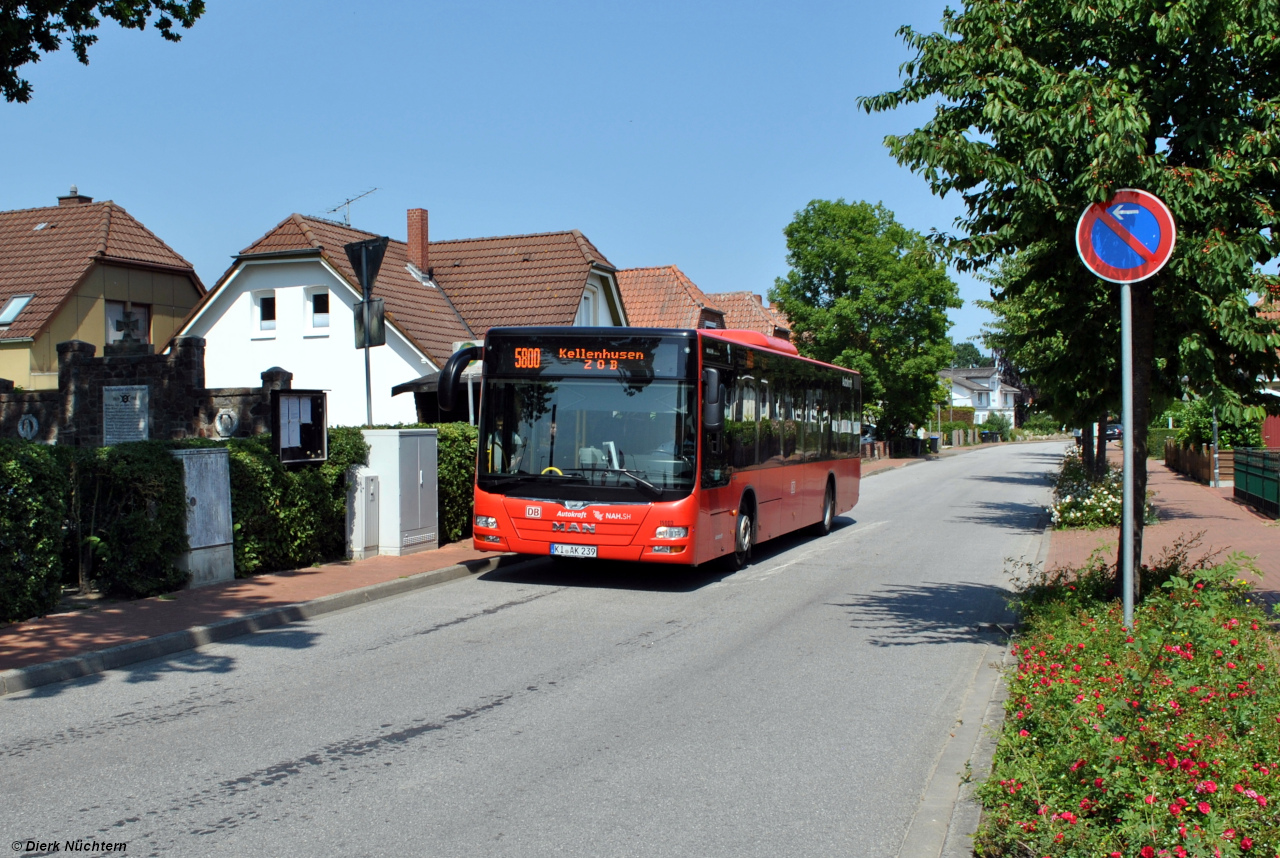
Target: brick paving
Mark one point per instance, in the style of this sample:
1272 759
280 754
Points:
110 623
1185 509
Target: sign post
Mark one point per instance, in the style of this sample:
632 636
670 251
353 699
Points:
1126 240
366 258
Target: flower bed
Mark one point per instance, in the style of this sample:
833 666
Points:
1163 740
1079 501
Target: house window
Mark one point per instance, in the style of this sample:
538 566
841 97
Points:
320 309
264 313
587 310
13 307
126 319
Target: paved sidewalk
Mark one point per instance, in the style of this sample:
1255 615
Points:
1186 508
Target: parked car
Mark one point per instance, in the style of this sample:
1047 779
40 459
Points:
1115 432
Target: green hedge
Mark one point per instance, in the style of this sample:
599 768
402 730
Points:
1156 436
286 518
126 518
33 490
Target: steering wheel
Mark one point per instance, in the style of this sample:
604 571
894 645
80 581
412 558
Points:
559 473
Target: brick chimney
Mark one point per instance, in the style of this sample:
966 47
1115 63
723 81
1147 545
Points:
75 198
418 239
759 299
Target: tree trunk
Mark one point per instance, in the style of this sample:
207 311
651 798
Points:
1144 326
1100 462
1086 448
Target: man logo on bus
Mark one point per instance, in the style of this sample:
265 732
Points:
572 527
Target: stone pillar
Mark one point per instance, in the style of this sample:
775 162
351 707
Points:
76 412
277 379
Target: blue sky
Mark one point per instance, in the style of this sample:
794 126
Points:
669 133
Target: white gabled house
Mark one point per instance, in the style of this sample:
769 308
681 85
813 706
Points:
981 389
288 300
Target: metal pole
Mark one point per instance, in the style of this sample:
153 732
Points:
1126 370
368 384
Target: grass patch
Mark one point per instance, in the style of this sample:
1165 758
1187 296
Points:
1160 740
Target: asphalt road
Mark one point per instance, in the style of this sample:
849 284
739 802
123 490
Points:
797 707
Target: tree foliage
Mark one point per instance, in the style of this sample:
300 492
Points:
867 293
965 355
1046 106
32 27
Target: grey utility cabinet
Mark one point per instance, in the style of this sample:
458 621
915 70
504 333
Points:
405 462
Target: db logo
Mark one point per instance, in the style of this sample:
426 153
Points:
533 512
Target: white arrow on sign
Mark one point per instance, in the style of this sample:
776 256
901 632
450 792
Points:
1122 212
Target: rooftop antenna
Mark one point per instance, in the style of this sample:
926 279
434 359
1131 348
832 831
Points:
345 205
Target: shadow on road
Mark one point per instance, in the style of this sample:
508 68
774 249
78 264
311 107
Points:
1023 478
654 577
189 661
1008 515
931 613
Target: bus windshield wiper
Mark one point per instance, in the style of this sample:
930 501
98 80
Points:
640 481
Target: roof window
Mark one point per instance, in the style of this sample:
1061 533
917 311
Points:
40 226
13 307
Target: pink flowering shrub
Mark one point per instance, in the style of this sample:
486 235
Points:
1160 740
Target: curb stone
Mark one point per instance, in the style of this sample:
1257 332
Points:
88 664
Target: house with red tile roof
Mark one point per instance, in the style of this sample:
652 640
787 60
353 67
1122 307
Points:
747 311
289 299
664 297
83 270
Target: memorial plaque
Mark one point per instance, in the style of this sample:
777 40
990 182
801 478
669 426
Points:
125 415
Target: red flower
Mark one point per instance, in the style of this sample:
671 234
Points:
1246 843
1203 807
1148 852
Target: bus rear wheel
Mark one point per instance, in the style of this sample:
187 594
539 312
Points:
828 510
744 539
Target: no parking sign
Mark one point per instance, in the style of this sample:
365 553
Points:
1128 238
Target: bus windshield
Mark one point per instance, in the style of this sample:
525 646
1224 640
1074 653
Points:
602 439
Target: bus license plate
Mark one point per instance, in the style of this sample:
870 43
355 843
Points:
573 550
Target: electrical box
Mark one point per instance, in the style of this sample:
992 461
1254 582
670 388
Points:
363 514
299 425
405 462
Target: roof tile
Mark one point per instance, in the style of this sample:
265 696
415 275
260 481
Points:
663 297
45 251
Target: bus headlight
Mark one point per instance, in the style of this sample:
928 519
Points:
671 533
486 521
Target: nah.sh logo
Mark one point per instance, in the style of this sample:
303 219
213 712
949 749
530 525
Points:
533 512
598 514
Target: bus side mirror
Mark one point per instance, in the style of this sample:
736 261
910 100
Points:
712 401
451 374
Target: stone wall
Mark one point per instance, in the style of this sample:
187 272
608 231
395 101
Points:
179 405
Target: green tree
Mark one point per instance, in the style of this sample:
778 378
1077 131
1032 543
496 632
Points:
1046 106
867 293
32 27
965 355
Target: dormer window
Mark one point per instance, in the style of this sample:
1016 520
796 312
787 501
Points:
13 307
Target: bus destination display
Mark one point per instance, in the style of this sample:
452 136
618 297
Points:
563 356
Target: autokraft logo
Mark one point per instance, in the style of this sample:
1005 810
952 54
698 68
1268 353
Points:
533 512
564 513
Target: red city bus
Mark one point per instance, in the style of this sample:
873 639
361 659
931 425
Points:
666 446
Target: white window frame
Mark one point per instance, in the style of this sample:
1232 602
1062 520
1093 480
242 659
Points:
12 313
259 328
588 308
308 309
